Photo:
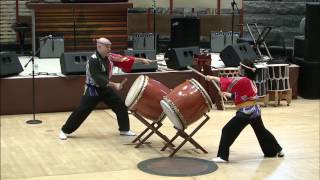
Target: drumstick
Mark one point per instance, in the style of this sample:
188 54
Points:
224 97
199 73
196 71
123 82
157 60
214 83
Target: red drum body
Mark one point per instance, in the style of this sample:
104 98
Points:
186 104
144 98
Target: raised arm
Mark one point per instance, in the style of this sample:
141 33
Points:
142 60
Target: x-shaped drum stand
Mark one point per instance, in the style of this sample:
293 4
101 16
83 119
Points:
154 127
186 137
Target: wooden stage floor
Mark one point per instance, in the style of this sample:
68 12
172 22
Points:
97 151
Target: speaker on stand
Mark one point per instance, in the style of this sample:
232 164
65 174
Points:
219 40
309 78
145 41
309 65
51 48
312 34
185 32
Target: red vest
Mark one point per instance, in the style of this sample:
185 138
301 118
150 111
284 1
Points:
243 88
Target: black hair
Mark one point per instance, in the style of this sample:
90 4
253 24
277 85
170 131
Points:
249 73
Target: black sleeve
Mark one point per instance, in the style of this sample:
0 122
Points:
97 73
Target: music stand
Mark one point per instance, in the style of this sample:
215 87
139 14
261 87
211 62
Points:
263 35
261 38
187 137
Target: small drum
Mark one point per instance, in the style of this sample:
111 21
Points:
278 77
186 103
144 98
261 79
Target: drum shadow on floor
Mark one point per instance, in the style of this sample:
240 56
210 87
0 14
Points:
177 166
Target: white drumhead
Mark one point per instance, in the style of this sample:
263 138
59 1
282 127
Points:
171 115
261 65
134 91
204 93
229 69
275 65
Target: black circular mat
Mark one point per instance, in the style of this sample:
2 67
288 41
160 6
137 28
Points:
177 166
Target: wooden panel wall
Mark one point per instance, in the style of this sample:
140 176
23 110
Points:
80 24
8 18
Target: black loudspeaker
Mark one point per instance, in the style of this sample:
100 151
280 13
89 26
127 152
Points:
299 45
185 32
234 54
139 67
180 58
74 63
312 33
309 78
10 64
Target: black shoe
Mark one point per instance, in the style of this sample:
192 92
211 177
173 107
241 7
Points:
280 154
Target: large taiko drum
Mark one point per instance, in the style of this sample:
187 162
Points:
278 77
261 79
144 98
186 104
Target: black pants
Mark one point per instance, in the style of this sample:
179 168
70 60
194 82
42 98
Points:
88 103
232 129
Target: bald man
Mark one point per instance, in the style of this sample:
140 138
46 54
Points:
98 88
